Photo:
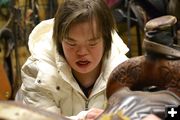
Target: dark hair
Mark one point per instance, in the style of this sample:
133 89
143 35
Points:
76 11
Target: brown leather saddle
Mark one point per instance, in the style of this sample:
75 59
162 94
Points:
147 84
158 69
142 86
146 74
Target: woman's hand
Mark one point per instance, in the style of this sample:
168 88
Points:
93 113
151 117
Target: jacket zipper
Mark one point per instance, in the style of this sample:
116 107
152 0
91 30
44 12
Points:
87 102
86 105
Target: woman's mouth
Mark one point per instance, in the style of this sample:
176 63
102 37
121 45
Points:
82 63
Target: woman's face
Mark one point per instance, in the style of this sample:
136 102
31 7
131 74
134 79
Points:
83 50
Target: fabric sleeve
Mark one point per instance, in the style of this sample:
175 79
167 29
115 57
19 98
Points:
30 93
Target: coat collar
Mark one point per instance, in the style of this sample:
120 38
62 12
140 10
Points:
66 74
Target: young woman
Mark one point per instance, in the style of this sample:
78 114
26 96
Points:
71 58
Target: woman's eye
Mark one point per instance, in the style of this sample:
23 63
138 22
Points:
93 43
70 43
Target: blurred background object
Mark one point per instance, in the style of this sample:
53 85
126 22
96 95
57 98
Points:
17 19
135 13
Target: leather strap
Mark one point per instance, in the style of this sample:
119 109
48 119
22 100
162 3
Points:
160 48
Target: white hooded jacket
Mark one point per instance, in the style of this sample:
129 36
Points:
48 82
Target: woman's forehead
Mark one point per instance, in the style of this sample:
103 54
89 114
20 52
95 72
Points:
91 20
90 25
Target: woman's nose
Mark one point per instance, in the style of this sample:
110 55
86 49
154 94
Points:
82 50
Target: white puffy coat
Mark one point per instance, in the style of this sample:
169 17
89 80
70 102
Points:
47 79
